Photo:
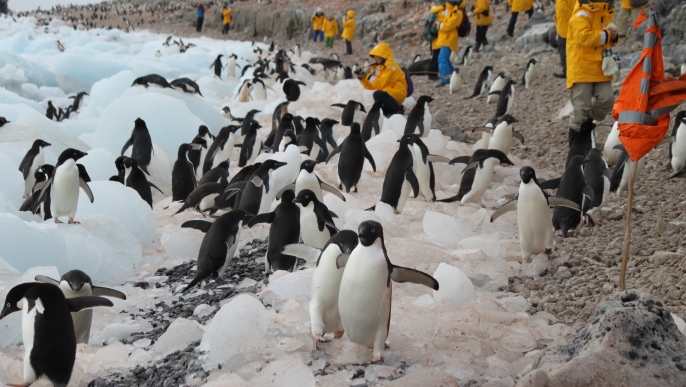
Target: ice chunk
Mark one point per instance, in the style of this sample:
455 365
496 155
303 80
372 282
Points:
454 285
181 242
228 379
289 371
121 331
239 326
178 335
99 163
293 285
203 310
488 243
142 343
445 230
355 217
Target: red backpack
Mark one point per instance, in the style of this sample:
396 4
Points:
465 27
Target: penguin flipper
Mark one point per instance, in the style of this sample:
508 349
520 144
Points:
518 136
404 274
144 168
369 157
300 250
412 179
333 152
438 159
46 280
549 184
100 291
472 165
342 260
322 145
284 189
460 160
588 192
266 217
87 302
197 224
128 143
505 208
84 186
563 202
341 105
155 187
329 188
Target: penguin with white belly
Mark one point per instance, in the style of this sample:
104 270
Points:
33 159
424 169
326 282
220 149
419 120
597 176
477 176
400 176
258 192
533 214
364 300
677 149
76 283
316 221
307 179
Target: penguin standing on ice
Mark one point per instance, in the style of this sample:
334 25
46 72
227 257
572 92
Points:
204 138
183 176
316 221
135 178
503 132
51 112
32 160
311 140
220 150
349 110
364 300
218 174
373 121
533 214
326 129
231 65
247 121
141 145
291 88
258 193
477 176
353 152
251 147
419 120
76 283
423 165
42 174
530 73
483 82
203 197
186 85
217 66
400 176
307 179
47 329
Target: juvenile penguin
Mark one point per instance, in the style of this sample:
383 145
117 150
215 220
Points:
47 329
307 179
151 80
64 186
218 66
349 110
455 80
364 300
76 283
482 83
400 176
326 282
496 88
597 176
477 176
284 230
258 193
219 244
251 147
353 152
316 222
419 120
506 99
533 214
373 121
572 187
677 149
32 160
141 145
530 73
183 176
291 88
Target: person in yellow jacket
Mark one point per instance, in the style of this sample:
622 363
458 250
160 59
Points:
330 31
518 6
318 21
626 17
387 78
563 11
482 14
448 21
348 31
226 13
437 7
589 34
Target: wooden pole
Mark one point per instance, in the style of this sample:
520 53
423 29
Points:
627 226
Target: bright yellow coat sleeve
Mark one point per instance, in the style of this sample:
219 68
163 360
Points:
563 11
584 44
448 21
479 8
349 26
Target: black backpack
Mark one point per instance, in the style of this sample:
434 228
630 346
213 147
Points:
408 79
465 27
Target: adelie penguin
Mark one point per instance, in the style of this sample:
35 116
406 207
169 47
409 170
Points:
326 281
455 81
530 73
353 152
311 140
496 88
291 88
186 85
506 99
217 66
32 160
477 176
400 176
621 174
247 121
308 179
51 112
611 154
151 80
284 230
677 149
316 221
419 120
219 244
482 83
373 122
64 186
42 174
572 187
221 148
286 123
202 198
581 142
183 175
349 110
423 166
251 147
502 134
533 214
135 178
204 138
76 283
259 91
258 193
47 329
597 176
141 145
326 130
364 300
218 174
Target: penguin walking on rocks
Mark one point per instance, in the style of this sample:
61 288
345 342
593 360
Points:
530 73
496 88
572 186
619 181
419 120
47 329
141 145
284 230
466 55
364 300
483 82
502 134
218 66
183 175
64 185
76 283
477 176
506 99
353 152
32 160
400 176
455 81
326 281
609 152
677 149
219 245
533 214
316 221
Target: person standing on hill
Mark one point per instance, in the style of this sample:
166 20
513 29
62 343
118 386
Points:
482 13
318 21
626 17
348 31
226 13
518 6
563 11
437 7
387 78
448 21
330 31
201 17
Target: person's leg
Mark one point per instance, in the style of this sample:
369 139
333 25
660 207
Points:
445 68
321 35
511 24
478 38
562 50
604 100
225 29
530 12
580 95
314 35
348 47
433 65
200 21
622 22
388 105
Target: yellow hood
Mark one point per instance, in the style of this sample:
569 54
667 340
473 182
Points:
383 50
350 13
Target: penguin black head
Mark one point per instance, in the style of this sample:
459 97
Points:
119 162
76 279
527 173
203 130
292 140
287 196
130 163
139 123
680 117
308 165
369 231
13 297
273 164
305 197
346 240
226 110
41 143
355 128
424 98
508 118
70 153
576 161
43 172
287 117
255 125
407 139
532 61
3 121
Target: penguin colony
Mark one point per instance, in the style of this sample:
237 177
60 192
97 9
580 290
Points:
352 267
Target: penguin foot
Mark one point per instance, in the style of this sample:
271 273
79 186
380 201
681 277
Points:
338 335
58 221
376 359
26 196
72 221
19 385
320 338
548 251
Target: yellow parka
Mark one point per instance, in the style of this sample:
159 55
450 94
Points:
587 29
448 21
436 9
563 11
480 7
349 26
227 15
626 4
331 28
318 22
520 5
388 77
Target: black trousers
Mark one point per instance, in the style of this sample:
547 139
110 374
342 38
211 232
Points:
198 25
433 65
388 105
562 49
226 28
348 47
513 20
481 39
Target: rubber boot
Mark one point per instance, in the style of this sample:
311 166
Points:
572 135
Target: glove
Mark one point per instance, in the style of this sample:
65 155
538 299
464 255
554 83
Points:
610 68
361 74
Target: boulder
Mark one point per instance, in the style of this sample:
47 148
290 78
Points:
536 35
632 340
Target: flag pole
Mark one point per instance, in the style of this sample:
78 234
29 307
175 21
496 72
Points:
627 226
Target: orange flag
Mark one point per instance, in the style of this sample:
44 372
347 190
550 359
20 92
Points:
642 17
